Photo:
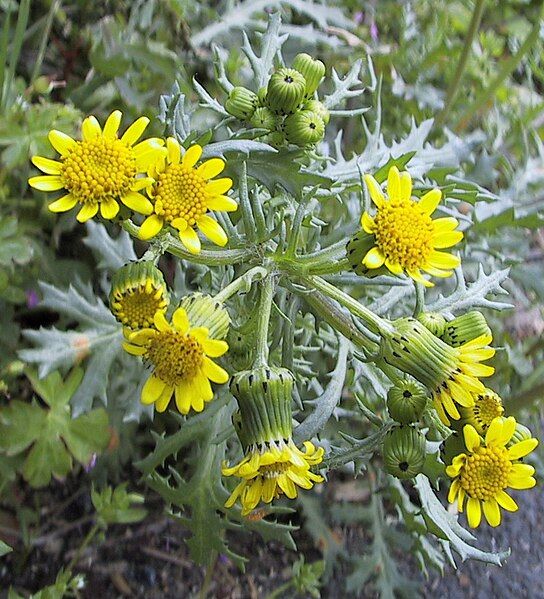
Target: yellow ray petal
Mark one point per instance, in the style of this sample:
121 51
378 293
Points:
443 260
142 183
214 372
50 167
109 209
405 186
396 269
137 202
190 240
46 182
192 156
367 222
63 204
135 131
374 258
375 191
150 227
520 484
180 320
183 398
211 168
222 203
213 230
218 186
492 512
393 184
444 225
90 128
214 347
87 212
474 512
61 142
174 150
160 322
152 389
112 124
506 502
162 403
521 449
472 438
430 201
134 350
446 240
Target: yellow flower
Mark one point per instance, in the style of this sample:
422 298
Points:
180 357
407 239
272 469
184 193
138 292
100 169
487 406
462 383
487 469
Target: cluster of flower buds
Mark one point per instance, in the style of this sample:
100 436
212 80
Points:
287 107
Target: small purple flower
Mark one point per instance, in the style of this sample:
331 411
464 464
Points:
32 299
374 31
358 17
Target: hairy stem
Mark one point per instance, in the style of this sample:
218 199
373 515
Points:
244 282
268 288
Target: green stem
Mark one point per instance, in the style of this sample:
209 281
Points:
169 244
53 9
208 577
420 299
279 592
258 213
245 205
508 67
294 234
373 320
324 256
268 288
455 84
243 282
331 268
88 538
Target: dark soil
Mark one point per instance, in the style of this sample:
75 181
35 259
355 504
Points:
150 560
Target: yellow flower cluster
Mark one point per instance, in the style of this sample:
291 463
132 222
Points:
155 178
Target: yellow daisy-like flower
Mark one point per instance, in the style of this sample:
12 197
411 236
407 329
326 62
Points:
407 239
180 356
487 406
184 193
101 169
482 474
272 469
463 384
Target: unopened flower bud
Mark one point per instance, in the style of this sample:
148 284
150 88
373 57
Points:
319 108
264 118
285 91
138 292
433 321
403 452
205 311
241 103
264 397
304 127
465 328
406 401
313 71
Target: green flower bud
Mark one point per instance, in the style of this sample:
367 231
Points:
264 397
487 406
406 401
261 96
433 321
304 127
319 108
285 91
241 103
205 311
264 118
138 292
404 452
356 249
465 328
313 71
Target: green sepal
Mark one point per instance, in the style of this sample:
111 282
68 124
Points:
404 452
303 128
241 103
434 322
313 71
286 90
465 328
406 401
205 311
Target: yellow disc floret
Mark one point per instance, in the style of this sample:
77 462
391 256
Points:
136 308
175 356
180 193
487 406
404 233
406 238
490 466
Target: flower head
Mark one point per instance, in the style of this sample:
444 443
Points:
450 373
183 194
406 238
180 357
138 292
271 469
487 406
101 169
482 474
